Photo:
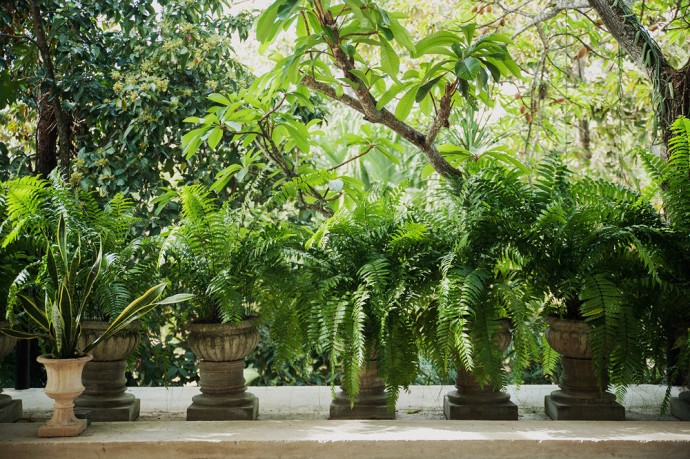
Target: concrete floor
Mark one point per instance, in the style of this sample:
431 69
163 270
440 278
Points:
292 424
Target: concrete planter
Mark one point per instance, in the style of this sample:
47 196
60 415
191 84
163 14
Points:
10 410
105 397
471 401
680 406
221 349
63 385
371 402
579 398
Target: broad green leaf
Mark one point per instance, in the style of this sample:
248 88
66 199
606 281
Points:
285 9
224 176
436 43
425 88
468 69
266 26
402 36
219 98
389 95
390 62
214 137
405 104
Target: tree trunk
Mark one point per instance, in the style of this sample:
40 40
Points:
46 138
671 91
62 119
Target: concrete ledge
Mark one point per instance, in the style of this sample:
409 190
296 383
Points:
293 423
347 439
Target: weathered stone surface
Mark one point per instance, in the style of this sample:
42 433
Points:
222 349
10 410
105 397
680 406
472 401
63 384
579 397
223 395
371 403
349 439
223 342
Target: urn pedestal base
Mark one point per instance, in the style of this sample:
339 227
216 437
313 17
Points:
566 409
680 406
472 402
10 410
105 398
456 407
224 394
579 398
367 406
370 403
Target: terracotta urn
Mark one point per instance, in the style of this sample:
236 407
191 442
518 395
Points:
10 410
105 397
63 385
221 349
471 400
579 397
370 403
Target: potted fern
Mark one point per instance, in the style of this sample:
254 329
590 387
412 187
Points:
11 260
594 255
222 255
35 206
484 291
370 277
51 308
673 184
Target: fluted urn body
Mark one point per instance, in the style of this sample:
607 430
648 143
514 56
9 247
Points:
579 397
105 397
63 384
221 349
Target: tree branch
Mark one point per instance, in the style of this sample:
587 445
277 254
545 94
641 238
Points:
551 13
441 119
670 86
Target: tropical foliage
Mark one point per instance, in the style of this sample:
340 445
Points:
367 282
54 306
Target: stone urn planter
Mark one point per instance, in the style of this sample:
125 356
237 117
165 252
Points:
579 397
680 406
221 349
105 397
10 410
371 403
63 385
472 401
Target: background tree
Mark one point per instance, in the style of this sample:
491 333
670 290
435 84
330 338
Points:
114 81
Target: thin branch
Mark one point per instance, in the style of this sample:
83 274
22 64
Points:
19 37
369 149
444 107
551 13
